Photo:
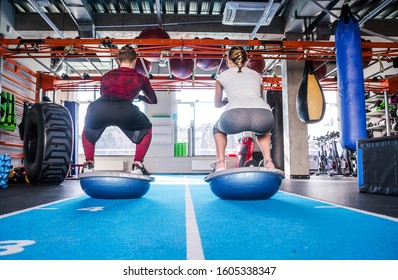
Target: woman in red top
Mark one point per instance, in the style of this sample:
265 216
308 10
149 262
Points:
119 87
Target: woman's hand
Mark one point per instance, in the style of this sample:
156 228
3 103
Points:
224 101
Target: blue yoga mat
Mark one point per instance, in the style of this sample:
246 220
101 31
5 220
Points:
288 227
148 228
154 227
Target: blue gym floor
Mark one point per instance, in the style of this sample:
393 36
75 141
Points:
180 218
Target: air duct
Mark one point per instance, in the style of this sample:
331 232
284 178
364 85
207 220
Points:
249 13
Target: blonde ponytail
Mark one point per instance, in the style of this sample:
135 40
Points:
238 56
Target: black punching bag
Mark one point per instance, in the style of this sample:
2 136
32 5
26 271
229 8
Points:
310 101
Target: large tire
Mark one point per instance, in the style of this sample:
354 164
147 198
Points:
48 144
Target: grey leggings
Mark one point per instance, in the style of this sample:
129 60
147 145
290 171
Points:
257 120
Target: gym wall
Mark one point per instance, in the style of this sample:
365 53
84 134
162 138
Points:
21 82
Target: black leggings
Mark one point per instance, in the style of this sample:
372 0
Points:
257 120
105 112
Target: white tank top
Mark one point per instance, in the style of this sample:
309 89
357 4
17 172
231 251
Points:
243 90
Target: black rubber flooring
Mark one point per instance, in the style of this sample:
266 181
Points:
22 196
338 190
342 191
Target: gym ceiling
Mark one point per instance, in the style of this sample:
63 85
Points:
84 35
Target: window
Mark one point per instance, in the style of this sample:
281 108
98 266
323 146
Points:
196 113
329 123
195 117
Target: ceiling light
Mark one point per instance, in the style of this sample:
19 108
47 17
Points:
43 3
249 13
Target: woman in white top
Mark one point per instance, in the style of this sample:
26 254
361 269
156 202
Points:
245 109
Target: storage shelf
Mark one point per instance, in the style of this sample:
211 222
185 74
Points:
377 127
374 98
161 121
162 131
378 113
376 116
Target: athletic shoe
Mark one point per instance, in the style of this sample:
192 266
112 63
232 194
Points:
88 167
139 169
214 165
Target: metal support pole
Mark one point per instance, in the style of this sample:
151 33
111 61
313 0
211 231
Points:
189 135
159 13
261 20
374 12
54 92
144 66
387 113
46 19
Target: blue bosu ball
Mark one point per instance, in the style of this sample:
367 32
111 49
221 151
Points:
114 185
245 183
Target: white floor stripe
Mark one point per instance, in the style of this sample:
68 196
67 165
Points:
194 243
327 206
37 207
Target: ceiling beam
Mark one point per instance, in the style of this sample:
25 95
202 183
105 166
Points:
138 22
385 27
173 23
45 18
82 15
